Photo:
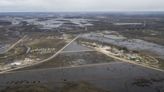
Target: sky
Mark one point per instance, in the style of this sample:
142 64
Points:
80 5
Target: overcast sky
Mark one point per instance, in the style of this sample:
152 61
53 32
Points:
80 5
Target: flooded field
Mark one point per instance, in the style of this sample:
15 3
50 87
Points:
58 22
28 88
111 77
132 44
81 52
73 55
76 47
118 45
74 59
3 48
123 24
66 87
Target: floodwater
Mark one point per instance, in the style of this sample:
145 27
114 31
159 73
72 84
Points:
58 22
76 47
132 44
115 77
3 48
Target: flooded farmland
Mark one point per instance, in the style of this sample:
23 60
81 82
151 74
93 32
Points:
74 59
132 44
112 77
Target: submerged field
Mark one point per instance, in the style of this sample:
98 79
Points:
74 59
108 77
82 52
67 87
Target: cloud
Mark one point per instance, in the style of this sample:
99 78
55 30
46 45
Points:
80 5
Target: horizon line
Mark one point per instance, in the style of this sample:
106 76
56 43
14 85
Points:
81 11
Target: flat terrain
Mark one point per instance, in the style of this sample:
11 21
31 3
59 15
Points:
82 52
113 77
30 50
73 59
